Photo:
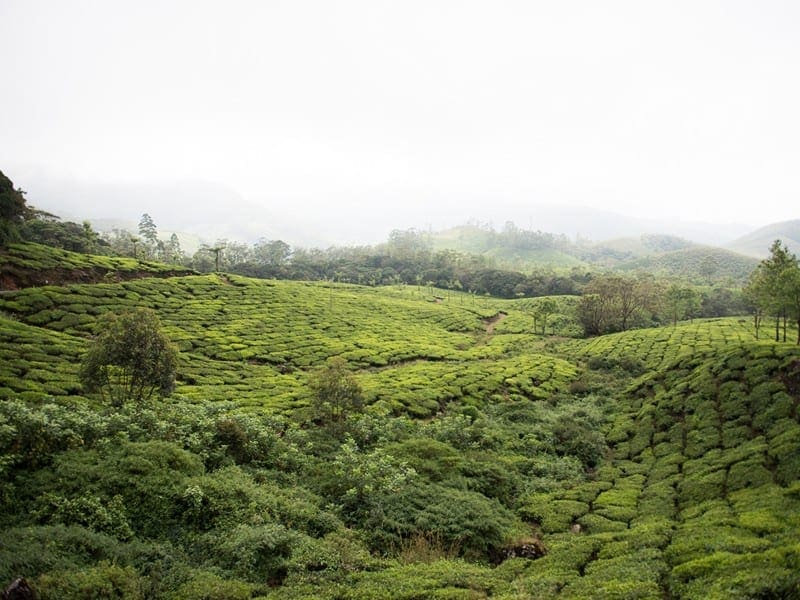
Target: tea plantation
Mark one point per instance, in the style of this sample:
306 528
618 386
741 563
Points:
488 461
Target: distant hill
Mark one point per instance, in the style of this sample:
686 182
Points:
611 253
757 243
648 244
698 263
526 250
512 248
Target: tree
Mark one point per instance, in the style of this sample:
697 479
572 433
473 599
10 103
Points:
274 253
12 210
592 313
616 303
681 301
771 287
544 308
336 392
147 229
791 282
172 250
130 359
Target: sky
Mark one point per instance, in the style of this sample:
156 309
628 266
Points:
354 118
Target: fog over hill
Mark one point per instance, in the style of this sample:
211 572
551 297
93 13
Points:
212 210
757 243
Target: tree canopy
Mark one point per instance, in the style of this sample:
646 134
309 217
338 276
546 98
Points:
336 392
130 359
12 210
774 289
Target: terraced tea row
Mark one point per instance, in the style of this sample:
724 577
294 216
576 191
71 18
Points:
27 264
656 348
702 497
253 342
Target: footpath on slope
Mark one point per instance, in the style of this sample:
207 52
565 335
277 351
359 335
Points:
491 322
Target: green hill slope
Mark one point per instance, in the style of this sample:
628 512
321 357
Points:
518 250
701 496
254 341
701 264
488 462
28 265
654 349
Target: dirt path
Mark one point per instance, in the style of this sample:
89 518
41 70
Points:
492 321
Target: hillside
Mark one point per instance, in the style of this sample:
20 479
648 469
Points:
610 253
28 265
512 248
488 461
699 264
757 243
661 255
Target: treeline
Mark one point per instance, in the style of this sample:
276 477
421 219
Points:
612 303
406 258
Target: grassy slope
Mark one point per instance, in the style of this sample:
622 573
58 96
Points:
698 496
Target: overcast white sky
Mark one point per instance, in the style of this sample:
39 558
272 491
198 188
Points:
415 112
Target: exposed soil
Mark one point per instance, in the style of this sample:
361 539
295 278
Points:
491 322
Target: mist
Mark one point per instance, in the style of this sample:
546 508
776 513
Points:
325 123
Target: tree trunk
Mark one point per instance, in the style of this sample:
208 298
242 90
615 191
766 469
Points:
784 324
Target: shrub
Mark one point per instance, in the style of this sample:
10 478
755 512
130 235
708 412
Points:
469 523
205 585
103 582
250 552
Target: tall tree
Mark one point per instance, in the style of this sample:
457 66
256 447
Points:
172 249
149 235
793 284
616 303
541 312
12 210
680 301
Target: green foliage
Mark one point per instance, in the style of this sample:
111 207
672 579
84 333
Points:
130 358
103 582
258 552
336 393
668 467
206 585
466 523
12 210
88 511
700 264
